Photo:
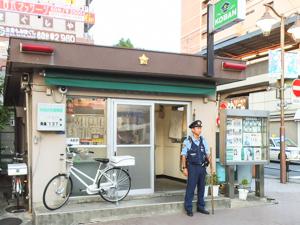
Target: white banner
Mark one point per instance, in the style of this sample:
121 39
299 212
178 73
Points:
291 64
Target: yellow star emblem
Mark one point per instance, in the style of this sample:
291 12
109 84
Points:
143 59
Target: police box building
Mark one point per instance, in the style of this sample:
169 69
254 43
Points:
109 101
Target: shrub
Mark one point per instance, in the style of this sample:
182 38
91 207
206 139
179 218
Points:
244 183
212 179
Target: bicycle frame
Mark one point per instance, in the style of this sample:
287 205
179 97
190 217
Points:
76 172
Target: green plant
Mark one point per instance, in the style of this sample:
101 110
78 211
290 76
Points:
212 179
244 183
207 180
5 112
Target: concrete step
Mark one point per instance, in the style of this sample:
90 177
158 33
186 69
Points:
81 213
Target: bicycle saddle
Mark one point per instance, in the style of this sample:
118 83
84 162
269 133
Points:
103 160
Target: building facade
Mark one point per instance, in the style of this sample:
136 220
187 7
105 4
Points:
194 24
58 20
131 102
245 41
62 21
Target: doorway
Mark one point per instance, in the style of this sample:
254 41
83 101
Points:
171 119
133 134
152 132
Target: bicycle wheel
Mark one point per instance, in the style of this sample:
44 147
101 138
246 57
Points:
114 184
57 191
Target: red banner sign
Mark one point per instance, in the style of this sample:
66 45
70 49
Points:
43 9
6 31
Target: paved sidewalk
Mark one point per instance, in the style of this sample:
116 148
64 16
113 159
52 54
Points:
285 212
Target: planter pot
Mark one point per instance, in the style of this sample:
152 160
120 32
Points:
243 193
206 191
215 190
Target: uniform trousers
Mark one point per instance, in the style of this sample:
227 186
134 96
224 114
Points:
196 177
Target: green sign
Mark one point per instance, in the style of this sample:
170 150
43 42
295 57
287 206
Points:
228 12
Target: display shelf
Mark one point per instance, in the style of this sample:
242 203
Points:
243 137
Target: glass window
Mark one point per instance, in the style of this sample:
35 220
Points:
133 124
86 121
288 142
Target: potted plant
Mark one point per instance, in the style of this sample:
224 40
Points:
214 181
243 189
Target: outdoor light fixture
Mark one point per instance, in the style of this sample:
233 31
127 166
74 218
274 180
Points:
265 23
295 30
233 66
36 48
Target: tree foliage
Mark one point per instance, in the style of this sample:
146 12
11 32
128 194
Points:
5 112
124 43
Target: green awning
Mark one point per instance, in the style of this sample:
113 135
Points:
127 83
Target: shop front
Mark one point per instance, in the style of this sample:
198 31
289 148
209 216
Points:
111 102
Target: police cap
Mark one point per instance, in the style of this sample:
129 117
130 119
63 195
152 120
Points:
196 123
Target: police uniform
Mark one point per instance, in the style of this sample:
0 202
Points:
196 170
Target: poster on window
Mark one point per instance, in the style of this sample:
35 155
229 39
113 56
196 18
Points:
257 153
252 139
248 154
234 133
85 120
237 154
244 137
252 125
234 139
234 154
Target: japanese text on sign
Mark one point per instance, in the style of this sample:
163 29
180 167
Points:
42 9
6 31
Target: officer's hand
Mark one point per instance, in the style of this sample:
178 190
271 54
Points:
185 172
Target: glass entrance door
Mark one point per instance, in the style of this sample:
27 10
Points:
133 135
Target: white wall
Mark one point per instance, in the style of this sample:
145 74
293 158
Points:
159 143
47 146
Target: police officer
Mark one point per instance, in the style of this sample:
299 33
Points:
195 154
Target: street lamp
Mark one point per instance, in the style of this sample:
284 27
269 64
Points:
265 24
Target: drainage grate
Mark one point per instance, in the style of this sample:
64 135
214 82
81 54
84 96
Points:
10 221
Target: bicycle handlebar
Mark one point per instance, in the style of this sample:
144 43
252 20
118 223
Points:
73 152
18 158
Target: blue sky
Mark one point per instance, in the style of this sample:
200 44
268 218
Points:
149 24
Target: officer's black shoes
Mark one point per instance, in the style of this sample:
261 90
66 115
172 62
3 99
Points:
204 211
189 213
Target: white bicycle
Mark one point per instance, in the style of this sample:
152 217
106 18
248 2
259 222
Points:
112 183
